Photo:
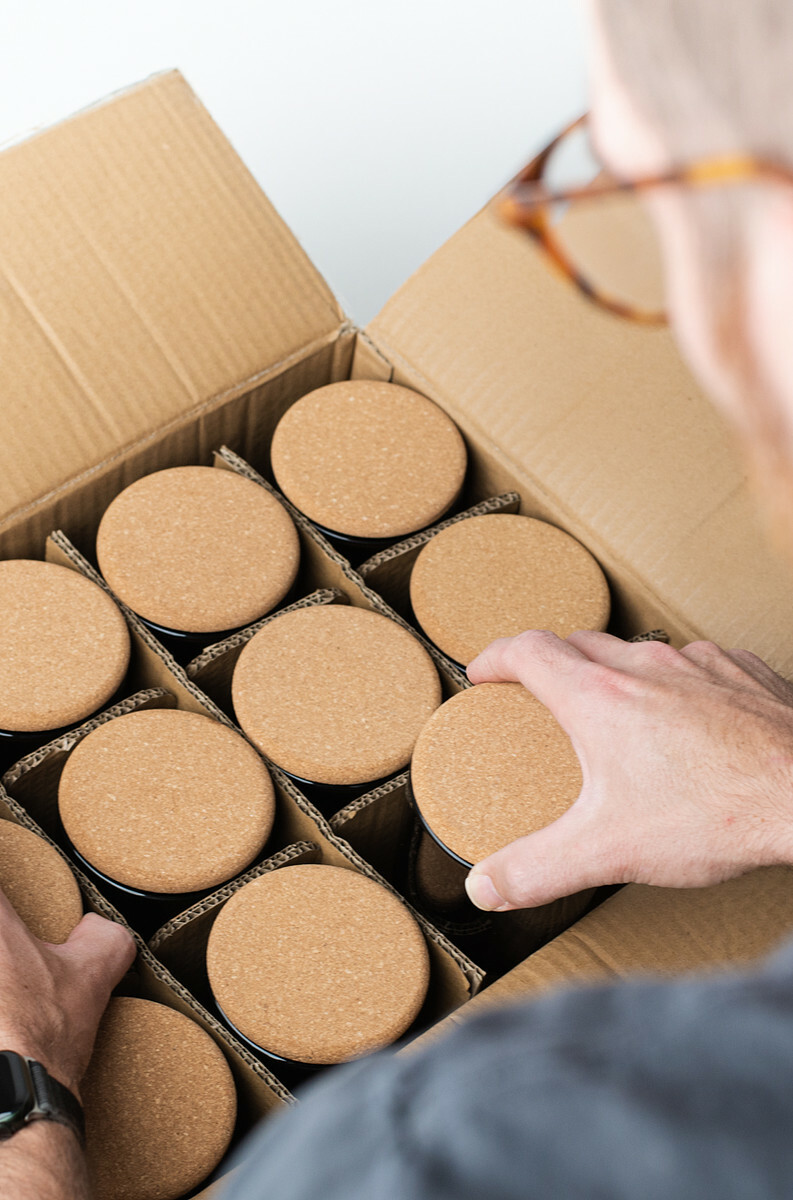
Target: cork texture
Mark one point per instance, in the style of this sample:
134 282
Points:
492 765
64 646
39 884
335 694
318 964
498 574
198 549
166 801
160 1103
368 459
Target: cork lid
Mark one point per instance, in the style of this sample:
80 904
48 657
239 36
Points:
496 575
335 694
64 646
39 884
166 801
368 459
160 1103
317 964
198 549
490 766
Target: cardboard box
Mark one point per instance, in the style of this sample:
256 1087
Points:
155 308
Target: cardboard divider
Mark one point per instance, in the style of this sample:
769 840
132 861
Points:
181 943
259 1092
455 976
212 670
328 569
389 571
385 830
651 931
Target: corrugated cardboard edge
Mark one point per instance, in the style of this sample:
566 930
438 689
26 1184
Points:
236 641
507 502
307 852
146 698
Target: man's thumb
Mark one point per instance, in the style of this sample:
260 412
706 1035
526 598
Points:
100 950
553 862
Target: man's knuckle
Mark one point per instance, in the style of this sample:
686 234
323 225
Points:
656 654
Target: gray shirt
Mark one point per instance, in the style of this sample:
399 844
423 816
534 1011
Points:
642 1091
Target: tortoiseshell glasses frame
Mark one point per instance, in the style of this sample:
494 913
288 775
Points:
526 203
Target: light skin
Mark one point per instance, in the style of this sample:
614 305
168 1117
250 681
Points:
51 1001
687 755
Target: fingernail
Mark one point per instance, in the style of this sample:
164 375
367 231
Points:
482 893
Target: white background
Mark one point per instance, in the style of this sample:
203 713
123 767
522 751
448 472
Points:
376 127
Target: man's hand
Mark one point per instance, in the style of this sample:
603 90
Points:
687 762
52 997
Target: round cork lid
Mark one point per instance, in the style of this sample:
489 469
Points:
64 646
490 766
38 884
368 459
166 801
496 575
317 964
160 1103
198 549
335 694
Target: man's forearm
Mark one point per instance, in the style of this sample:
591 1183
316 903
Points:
44 1161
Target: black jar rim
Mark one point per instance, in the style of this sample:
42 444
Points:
293 1063
134 893
189 637
412 799
347 792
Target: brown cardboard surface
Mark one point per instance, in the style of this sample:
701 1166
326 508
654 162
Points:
132 234
643 930
600 426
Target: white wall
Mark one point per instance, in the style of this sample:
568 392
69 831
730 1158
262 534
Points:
375 126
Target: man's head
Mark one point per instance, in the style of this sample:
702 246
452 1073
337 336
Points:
678 80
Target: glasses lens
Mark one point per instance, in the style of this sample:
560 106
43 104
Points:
608 239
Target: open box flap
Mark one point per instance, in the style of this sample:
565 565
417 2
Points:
143 275
600 419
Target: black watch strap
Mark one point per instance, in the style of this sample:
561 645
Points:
54 1102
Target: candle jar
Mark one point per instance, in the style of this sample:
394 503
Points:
496 575
490 766
38 884
160 1103
163 806
314 965
336 697
197 553
64 651
368 463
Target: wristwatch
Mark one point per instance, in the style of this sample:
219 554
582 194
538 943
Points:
29 1093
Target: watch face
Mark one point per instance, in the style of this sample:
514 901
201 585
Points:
16 1091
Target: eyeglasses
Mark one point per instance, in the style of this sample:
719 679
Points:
608 249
